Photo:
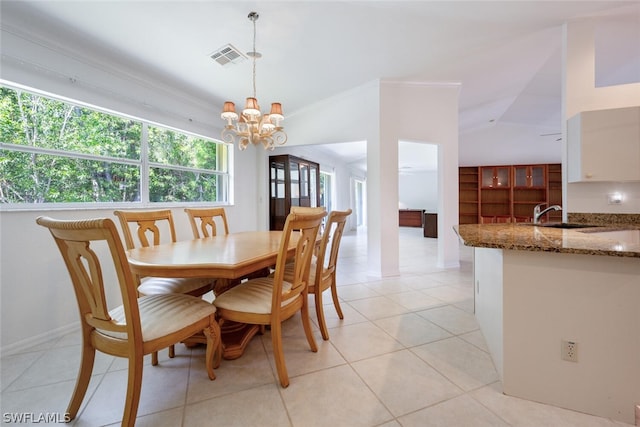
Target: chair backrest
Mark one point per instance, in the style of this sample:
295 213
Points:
306 210
77 241
304 227
147 222
333 230
309 210
203 221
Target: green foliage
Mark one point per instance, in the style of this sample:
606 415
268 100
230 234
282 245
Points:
167 185
57 136
174 148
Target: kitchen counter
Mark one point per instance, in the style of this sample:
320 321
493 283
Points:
536 287
528 237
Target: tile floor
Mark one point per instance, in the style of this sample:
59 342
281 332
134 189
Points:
408 353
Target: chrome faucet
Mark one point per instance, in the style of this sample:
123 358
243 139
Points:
537 213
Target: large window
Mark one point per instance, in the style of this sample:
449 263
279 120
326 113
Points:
54 152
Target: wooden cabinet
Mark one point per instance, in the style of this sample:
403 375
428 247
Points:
495 176
292 182
525 176
554 190
604 145
529 189
495 194
499 194
469 193
495 205
430 225
410 217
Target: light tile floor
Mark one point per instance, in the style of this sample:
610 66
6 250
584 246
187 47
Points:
408 353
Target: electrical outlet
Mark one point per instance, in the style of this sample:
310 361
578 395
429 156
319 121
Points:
569 351
615 198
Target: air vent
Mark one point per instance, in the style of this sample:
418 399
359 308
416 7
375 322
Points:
227 55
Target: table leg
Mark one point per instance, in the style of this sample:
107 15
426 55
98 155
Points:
235 338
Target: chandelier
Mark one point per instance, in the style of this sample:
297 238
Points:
253 127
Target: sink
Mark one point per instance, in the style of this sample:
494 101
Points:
559 224
565 225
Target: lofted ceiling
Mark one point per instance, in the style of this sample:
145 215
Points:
505 54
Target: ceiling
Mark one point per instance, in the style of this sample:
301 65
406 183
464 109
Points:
505 54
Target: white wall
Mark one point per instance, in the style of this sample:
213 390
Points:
355 116
418 190
403 109
580 94
383 113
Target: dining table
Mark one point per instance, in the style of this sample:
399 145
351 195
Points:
228 258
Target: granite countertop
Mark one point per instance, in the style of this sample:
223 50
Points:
528 237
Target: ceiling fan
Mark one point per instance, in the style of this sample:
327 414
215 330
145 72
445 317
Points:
552 134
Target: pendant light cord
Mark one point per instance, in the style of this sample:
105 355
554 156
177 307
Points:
254 58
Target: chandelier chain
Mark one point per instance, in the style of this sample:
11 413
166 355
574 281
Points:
252 126
255 54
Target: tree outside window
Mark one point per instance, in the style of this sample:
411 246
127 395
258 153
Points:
56 152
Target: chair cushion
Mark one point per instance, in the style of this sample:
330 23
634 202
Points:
170 285
162 315
252 296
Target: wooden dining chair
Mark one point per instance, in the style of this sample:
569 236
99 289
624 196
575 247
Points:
146 226
140 325
308 210
272 300
323 267
203 221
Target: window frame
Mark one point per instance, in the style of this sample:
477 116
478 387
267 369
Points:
224 172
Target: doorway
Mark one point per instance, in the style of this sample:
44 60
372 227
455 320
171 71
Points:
418 176
359 197
327 190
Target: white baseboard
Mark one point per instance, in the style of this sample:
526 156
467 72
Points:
27 343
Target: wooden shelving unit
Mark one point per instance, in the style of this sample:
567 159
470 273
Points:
554 190
468 201
495 194
529 189
499 194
